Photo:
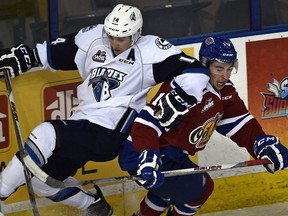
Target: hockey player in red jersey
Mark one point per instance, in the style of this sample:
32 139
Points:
118 66
153 147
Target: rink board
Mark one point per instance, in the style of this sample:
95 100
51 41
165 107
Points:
45 95
229 193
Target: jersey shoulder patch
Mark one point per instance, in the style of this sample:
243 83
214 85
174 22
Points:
154 49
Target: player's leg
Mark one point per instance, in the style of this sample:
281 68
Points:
68 145
5 190
13 175
1 204
92 203
99 207
89 203
152 205
191 208
11 178
59 167
75 143
187 193
41 145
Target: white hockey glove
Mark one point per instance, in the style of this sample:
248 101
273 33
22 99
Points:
16 60
172 107
149 164
267 146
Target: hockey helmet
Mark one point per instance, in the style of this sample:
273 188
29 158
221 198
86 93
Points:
218 49
124 21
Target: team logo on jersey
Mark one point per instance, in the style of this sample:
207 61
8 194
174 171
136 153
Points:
208 104
103 80
201 135
100 56
162 43
276 102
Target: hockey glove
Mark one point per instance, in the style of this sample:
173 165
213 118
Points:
267 146
149 164
16 60
172 107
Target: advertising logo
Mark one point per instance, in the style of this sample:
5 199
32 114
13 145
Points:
60 100
276 102
4 122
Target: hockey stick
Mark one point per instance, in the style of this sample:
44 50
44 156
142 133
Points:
171 173
20 143
59 184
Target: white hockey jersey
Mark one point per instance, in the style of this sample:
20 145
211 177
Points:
114 84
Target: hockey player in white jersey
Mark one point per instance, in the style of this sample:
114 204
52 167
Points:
118 66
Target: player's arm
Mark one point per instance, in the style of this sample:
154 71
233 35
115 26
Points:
270 147
58 54
139 154
190 79
55 55
18 60
261 145
236 121
141 157
187 91
141 151
238 124
173 106
177 64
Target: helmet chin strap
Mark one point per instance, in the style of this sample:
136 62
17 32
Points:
136 36
235 65
204 61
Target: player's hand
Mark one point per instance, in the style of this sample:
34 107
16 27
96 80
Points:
16 60
172 107
269 147
149 164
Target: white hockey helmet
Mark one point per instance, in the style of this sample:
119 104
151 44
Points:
124 21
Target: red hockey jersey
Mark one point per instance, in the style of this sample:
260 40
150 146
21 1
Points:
222 111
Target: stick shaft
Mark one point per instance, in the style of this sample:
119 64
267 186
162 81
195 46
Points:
170 173
219 167
20 142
